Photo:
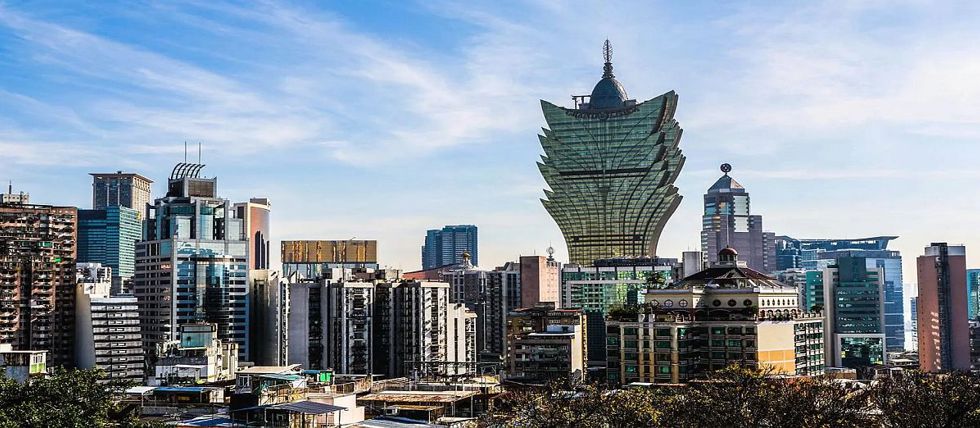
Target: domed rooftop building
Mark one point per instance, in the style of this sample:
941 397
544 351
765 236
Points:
726 314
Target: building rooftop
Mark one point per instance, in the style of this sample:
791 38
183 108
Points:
394 422
120 174
267 370
418 396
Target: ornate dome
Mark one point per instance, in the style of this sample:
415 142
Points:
608 93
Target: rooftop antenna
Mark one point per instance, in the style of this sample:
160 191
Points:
607 55
10 187
185 151
198 152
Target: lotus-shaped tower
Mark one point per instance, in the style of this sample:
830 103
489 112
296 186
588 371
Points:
611 163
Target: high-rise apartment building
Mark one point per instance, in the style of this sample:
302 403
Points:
540 280
854 305
108 236
123 189
610 163
490 295
37 279
446 246
193 265
544 344
944 333
419 331
255 214
728 222
107 331
312 259
331 323
723 315
362 326
973 293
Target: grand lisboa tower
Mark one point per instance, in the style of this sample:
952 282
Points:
611 163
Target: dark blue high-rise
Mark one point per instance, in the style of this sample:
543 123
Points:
446 246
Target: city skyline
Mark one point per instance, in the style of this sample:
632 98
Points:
457 116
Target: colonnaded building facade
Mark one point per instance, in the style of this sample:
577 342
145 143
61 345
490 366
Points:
611 163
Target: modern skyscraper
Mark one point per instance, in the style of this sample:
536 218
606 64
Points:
119 188
107 330
611 163
854 297
973 293
108 236
446 246
255 214
816 254
944 335
805 253
728 222
540 280
311 259
37 279
192 267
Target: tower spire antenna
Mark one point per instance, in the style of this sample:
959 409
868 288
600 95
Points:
607 56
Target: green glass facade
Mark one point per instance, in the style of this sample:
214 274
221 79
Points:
611 167
812 292
109 236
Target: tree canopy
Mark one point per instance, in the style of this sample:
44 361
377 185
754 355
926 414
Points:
743 397
66 398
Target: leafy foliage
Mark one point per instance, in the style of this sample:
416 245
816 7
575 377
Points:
744 397
66 398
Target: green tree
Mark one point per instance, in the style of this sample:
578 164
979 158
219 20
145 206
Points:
919 399
66 398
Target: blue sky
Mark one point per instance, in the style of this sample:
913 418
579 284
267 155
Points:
379 120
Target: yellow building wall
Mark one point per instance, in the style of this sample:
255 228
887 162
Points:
777 346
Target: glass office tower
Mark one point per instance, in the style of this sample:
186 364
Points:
193 266
611 163
109 236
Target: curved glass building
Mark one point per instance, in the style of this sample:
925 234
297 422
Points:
611 163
